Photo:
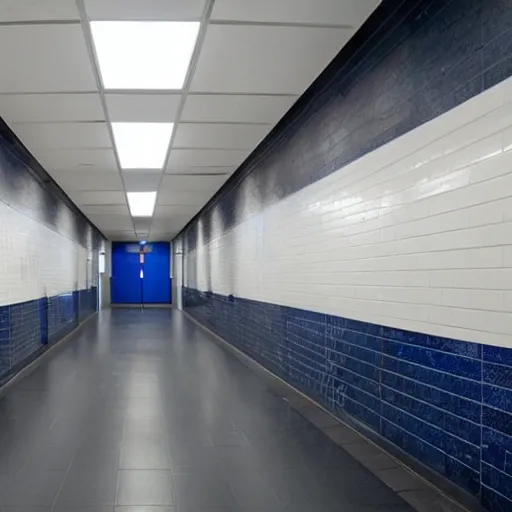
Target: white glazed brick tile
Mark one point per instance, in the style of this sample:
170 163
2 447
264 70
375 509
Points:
36 261
416 235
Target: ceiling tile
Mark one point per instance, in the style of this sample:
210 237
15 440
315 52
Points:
142 107
192 183
88 180
223 136
77 160
99 197
166 211
45 58
236 108
175 10
181 198
112 222
16 108
121 236
201 171
141 181
168 225
37 10
142 225
63 135
332 12
185 158
109 209
265 59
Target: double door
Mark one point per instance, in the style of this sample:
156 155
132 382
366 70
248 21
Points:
141 277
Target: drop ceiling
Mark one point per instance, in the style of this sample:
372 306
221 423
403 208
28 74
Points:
251 61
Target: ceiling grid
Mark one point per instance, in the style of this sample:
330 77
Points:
249 63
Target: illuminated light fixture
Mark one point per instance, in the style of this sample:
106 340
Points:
144 54
142 204
142 145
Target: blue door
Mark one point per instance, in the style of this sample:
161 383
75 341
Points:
125 285
156 288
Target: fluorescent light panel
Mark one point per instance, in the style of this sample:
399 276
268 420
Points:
142 145
144 54
142 204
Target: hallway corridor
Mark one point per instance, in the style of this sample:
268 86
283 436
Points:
144 412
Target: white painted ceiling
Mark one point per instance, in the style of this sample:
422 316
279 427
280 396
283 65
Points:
252 61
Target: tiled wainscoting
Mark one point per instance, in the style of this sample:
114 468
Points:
447 403
28 328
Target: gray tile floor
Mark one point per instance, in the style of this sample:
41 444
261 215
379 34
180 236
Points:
144 412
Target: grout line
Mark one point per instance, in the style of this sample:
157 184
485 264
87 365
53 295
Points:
284 24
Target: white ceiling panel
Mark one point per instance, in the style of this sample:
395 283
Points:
236 108
166 211
192 183
332 12
87 180
201 171
161 225
121 236
182 198
223 136
171 10
22 108
142 107
112 222
142 225
265 59
185 158
141 181
77 160
108 209
45 58
37 10
63 135
99 197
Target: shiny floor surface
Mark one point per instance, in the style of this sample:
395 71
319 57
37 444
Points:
144 412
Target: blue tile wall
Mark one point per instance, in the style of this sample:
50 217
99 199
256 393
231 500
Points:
28 328
448 403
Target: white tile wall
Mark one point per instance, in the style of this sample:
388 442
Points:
415 235
36 261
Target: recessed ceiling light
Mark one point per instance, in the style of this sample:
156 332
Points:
144 54
142 204
142 145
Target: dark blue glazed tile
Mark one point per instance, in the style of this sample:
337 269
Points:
467 478
496 20
496 480
450 423
341 378
497 449
500 355
294 314
497 420
360 412
464 452
494 501
498 375
462 348
457 405
358 367
499 398
462 366
414 446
